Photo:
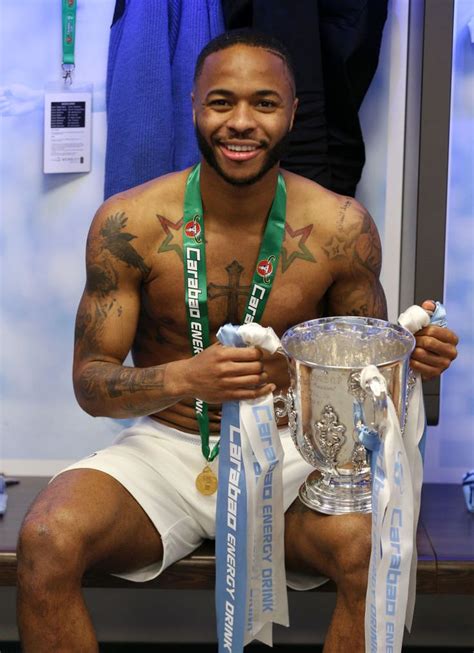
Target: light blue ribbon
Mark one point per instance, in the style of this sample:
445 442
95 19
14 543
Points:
231 523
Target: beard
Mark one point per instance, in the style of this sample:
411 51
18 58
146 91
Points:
273 156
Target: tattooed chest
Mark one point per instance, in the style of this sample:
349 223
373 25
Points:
290 301
163 300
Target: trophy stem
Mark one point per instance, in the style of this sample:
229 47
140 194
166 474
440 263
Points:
334 494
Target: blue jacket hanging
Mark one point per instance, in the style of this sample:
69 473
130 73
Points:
153 48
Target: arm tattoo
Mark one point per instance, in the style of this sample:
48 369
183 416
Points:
90 325
126 380
342 213
360 293
89 384
364 302
102 279
362 248
367 248
109 388
118 243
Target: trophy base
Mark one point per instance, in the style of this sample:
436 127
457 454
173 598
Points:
337 495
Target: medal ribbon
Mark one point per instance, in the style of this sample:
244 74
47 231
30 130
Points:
195 277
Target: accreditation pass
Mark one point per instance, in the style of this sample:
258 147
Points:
67 132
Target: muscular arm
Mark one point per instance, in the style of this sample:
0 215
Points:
355 255
106 323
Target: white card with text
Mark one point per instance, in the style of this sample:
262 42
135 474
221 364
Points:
67 131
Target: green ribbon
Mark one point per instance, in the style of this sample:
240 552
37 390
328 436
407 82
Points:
69 8
195 277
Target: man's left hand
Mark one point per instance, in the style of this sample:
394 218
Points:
435 348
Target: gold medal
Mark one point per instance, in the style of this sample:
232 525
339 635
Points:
206 481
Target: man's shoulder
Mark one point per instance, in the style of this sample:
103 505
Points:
153 194
133 213
331 211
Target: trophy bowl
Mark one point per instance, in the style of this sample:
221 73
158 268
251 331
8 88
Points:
325 358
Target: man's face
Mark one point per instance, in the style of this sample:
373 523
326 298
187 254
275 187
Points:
243 106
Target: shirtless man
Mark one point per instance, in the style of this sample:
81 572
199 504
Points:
244 104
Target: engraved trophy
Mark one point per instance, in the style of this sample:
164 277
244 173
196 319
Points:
326 405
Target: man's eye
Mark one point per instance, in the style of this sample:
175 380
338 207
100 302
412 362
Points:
266 104
221 102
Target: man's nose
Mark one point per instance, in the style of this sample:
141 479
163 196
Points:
242 118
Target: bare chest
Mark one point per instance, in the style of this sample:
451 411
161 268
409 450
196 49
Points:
296 295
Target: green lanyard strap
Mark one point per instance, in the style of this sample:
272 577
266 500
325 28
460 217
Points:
195 276
69 8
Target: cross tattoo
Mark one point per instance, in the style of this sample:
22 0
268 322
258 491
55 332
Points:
231 291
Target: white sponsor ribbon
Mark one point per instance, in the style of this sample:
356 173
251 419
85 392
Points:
396 498
262 457
267 597
414 319
392 530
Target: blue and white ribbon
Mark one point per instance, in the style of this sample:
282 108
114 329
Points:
397 471
414 319
250 572
392 532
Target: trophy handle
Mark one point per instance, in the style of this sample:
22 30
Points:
376 387
281 404
284 406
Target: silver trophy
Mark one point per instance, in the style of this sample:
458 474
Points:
328 409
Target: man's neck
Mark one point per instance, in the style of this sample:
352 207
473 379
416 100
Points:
245 206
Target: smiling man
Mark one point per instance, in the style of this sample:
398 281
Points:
149 499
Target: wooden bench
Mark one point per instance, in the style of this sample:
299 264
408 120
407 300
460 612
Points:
445 541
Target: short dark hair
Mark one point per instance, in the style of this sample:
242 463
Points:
253 39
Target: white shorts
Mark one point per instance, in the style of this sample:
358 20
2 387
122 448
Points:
158 466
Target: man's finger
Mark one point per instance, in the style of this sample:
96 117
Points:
427 371
434 348
439 333
241 353
434 360
253 393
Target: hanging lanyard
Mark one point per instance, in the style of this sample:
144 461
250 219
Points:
194 255
69 38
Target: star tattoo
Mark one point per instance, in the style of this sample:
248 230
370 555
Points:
169 228
293 249
334 247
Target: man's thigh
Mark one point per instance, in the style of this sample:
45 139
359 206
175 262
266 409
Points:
99 518
325 544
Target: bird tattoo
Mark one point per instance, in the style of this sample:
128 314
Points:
117 242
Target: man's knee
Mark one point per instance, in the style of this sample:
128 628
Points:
339 546
49 546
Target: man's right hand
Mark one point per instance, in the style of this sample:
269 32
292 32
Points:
222 373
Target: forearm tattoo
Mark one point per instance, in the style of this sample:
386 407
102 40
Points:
123 380
123 391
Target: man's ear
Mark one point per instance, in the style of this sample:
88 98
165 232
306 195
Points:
295 106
